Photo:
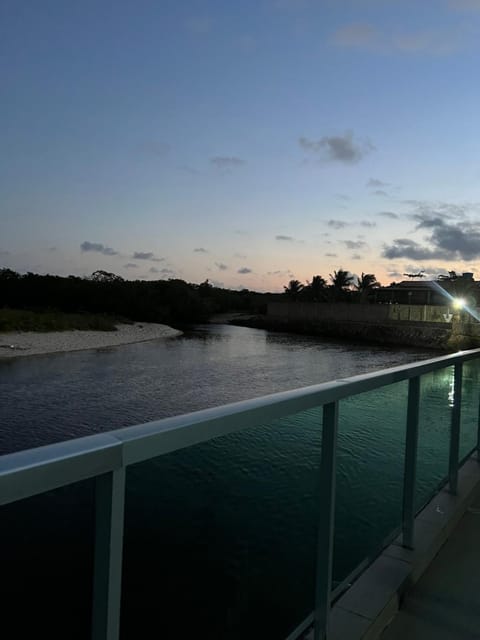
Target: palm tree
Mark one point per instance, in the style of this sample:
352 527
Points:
365 284
293 289
316 289
341 283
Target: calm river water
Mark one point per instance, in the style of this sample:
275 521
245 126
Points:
219 538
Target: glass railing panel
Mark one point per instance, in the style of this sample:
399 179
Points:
47 564
369 474
436 402
470 409
220 537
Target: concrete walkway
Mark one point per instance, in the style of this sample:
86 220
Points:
445 603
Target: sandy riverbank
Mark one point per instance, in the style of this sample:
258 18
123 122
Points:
29 343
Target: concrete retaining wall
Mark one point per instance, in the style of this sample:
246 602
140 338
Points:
428 326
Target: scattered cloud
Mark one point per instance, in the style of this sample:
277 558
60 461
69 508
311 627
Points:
226 163
244 270
357 256
239 255
406 248
431 41
394 274
285 238
338 148
130 265
368 224
337 224
353 244
342 196
164 271
146 255
200 250
280 273
331 255
374 183
52 249
380 192
97 247
389 214
190 170
221 266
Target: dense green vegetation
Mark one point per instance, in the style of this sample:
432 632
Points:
24 320
168 301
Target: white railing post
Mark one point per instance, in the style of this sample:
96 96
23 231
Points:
455 429
107 576
326 521
410 468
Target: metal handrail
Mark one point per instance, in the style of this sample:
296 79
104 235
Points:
106 456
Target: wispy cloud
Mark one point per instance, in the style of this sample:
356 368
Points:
339 148
337 224
226 163
146 255
221 266
380 192
97 247
331 255
130 265
354 244
200 250
368 224
164 271
282 238
374 183
244 270
388 214
430 41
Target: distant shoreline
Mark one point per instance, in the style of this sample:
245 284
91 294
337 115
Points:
29 343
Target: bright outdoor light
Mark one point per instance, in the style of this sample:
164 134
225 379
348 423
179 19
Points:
459 303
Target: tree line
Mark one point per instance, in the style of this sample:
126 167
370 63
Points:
342 287
169 301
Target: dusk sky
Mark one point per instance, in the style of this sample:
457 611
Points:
248 142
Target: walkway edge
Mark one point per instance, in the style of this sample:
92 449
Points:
368 607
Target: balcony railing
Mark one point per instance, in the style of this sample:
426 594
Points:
105 458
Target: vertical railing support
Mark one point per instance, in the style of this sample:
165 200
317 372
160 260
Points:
326 520
410 465
455 429
478 429
109 521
